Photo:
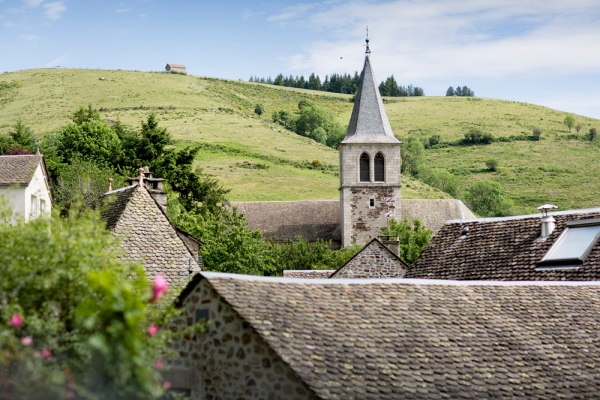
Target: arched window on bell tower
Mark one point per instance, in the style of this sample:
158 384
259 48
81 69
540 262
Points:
365 173
379 168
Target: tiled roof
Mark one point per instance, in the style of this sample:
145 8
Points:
308 274
177 65
320 219
425 339
147 234
311 220
500 249
369 122
15 170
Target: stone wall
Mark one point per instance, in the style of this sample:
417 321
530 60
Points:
374 261
359 221
230 360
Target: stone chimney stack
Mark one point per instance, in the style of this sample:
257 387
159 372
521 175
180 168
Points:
154 187
392 242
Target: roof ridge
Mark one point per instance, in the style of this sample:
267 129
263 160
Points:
526 216
407 281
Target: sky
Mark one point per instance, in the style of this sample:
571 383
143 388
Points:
545 52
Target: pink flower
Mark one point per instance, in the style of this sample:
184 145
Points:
160 286
26 341
152 330
167 385
70 384
16 320
160 363
70 394
46 353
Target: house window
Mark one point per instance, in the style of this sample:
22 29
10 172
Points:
572 246
202 314
371 203
42 207
379 168
365 173
34 206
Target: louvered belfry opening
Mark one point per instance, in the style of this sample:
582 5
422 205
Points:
365 174
379 168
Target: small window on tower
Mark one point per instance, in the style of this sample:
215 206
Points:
365 173
371 203
379 168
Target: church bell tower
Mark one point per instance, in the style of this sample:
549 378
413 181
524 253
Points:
369 165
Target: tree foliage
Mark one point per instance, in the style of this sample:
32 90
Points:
537 132
486 199
413 157
570 121
87 310
413 236
18 141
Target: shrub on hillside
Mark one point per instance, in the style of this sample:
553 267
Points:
319 135
486 199
492 165
475 136
569 121
537 132
413 156
593 133
259 109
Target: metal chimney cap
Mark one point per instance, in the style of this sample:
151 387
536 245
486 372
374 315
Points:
547 207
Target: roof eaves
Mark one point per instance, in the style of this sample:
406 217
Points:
518 217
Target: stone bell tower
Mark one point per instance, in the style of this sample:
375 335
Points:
369 165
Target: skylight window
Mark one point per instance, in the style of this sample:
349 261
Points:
572 246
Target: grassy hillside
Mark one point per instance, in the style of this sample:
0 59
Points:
557 169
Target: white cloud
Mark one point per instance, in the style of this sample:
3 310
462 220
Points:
451 38
9 24
59 61
143 15
247 14
54 10
123 10
32 3
31 38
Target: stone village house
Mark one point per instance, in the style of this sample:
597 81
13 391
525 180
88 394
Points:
175 68
25 186
281 338
369 176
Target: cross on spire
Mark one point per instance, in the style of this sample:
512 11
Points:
368 51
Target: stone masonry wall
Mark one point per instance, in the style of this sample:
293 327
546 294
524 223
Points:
230 361
374 261
359 222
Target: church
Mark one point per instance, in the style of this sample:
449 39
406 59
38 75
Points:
370 186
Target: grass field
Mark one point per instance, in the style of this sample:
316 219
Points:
198 109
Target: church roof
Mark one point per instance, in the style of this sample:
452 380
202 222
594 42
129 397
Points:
424 339
320 219
369 122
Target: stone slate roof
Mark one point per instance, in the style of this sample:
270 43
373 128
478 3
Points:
308 273
18 170
500 249
377 256
425 339
369 122
147 234
320 219
312 220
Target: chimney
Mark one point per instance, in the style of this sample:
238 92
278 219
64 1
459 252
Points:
153 186
110 181
141 178
392 242
547 220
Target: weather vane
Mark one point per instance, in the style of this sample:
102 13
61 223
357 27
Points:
367 40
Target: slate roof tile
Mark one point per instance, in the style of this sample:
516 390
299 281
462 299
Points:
423 339
147 234
500 249
16 170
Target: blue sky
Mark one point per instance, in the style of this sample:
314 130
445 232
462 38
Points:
544 52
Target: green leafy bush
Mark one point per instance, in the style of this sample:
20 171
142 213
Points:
486 199
492 164
537 132
413 236
413 157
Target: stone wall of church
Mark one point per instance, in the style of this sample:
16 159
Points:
361 222
374 261
230 360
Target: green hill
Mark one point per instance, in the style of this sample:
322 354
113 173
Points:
259 160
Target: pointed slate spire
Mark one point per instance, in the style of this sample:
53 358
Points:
369 122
